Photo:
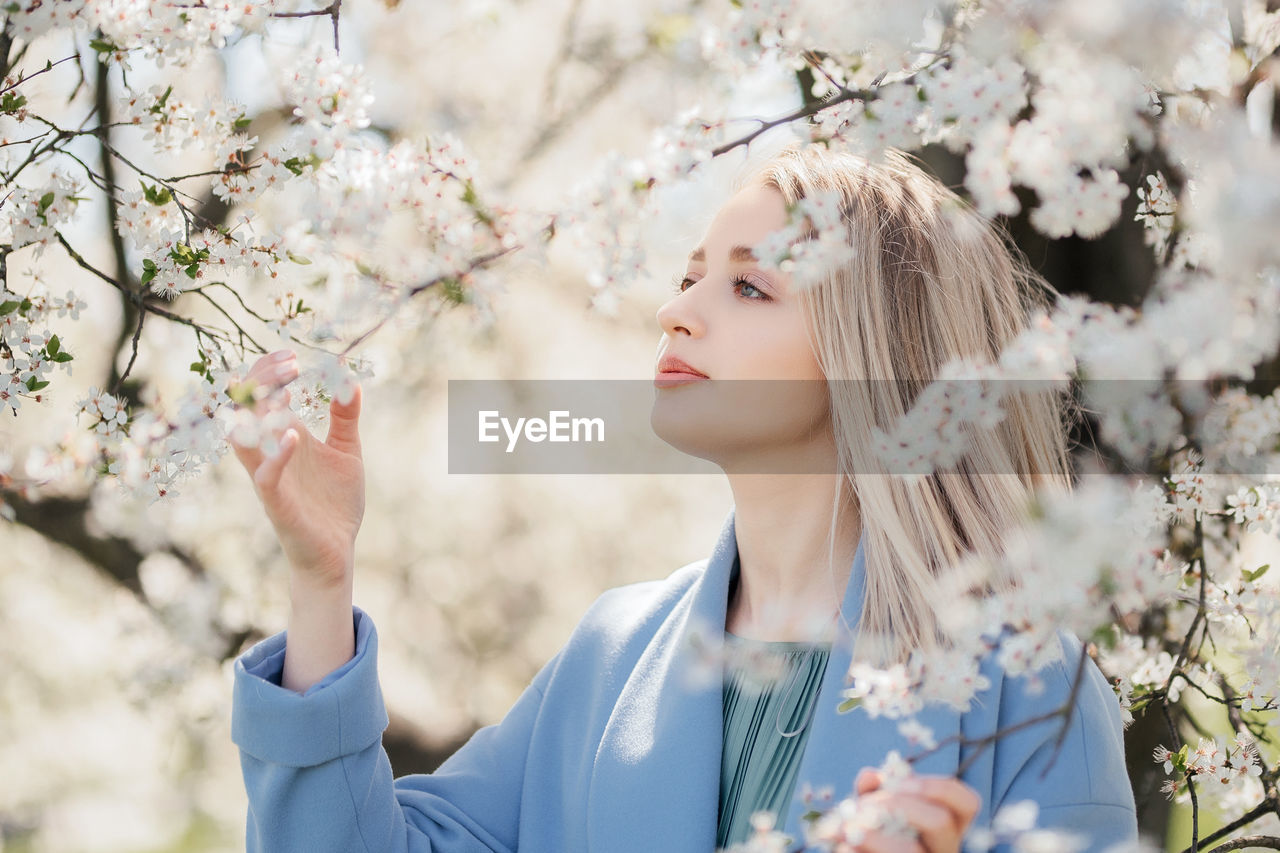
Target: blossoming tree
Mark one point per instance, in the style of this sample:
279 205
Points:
237 231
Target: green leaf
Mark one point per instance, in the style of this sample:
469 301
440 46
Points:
1104 636
45 201
11 102
241 123
35 385
102 46
156 195
148 270
7 307
14 7
848 705
1253 575
297 259
61 357
196 367
453 290
472 200
298 164
52 346
241 392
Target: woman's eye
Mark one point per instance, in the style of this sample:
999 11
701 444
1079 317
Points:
680 284
742 282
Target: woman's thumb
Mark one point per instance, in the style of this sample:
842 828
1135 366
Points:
344 423
868 780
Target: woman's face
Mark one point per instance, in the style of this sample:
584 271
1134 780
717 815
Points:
733 320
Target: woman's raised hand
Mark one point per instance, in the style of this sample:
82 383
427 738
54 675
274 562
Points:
313 491
938 808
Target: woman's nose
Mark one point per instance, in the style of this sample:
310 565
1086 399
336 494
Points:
680 314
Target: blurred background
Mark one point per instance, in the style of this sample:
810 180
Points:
119 620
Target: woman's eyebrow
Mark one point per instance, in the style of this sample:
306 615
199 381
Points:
739 254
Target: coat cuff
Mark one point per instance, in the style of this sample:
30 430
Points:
341 714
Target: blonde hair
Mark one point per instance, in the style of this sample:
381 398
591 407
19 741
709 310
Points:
931 280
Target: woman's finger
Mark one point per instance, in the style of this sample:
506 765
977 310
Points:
266 378
880 842
939 828
868 780
250 457
271 381
959 798
267 476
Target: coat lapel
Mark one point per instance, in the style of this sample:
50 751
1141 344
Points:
656 781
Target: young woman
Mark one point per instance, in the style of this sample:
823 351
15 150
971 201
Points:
616 745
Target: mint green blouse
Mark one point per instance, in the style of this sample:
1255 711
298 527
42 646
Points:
769 691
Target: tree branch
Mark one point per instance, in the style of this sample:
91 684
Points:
1270 841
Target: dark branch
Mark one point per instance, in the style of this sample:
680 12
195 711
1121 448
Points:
1270 841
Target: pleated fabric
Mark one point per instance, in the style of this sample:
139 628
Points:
769 691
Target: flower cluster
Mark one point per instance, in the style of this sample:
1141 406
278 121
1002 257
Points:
29 349
1156 211
852 819
170 34
327 92
949 676
1226 771
109 417
813 244
171 123
32 215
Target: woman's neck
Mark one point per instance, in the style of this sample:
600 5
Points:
787 589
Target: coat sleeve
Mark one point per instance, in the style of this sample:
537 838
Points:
318 778
1081 785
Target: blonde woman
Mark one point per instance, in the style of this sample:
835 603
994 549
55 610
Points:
613 747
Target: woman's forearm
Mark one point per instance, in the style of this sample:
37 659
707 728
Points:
320 636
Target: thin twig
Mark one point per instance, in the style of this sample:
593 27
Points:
1271 841
982 742
1245 819
49 67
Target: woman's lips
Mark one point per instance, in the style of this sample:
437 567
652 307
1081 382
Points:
668 378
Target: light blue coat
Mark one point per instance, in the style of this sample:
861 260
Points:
615 745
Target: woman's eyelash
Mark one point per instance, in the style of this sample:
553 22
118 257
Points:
678 283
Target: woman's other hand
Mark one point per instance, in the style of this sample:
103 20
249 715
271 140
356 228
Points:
312 491
939 808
